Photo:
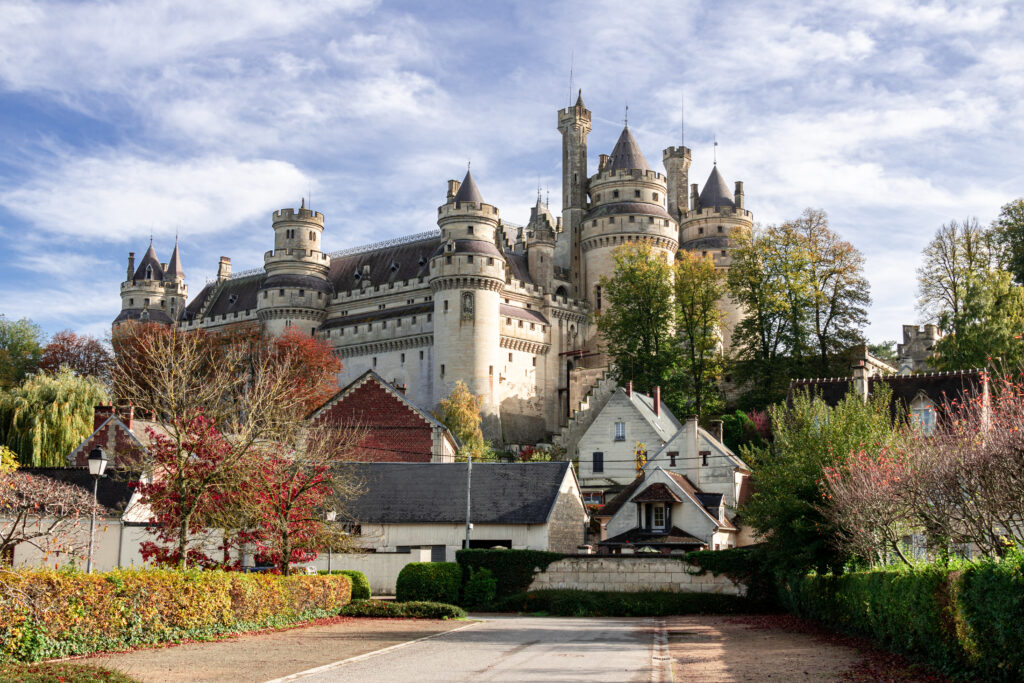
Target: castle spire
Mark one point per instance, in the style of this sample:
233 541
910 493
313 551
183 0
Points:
174 269
579 99
468 191
626 154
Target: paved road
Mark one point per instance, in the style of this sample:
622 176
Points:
515 649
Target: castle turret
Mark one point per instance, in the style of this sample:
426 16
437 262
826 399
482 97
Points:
151 292
627 204
540 245
574 125
716 215
296 289
466 277
677 166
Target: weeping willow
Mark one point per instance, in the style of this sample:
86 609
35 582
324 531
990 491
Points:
47 416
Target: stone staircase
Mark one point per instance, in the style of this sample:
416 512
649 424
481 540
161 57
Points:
583 415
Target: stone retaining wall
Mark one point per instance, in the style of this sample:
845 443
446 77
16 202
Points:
632 574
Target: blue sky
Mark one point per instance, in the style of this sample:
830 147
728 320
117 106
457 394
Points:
201 118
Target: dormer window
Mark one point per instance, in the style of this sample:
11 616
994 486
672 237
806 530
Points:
423 261
149 272
394 267
357 275
232 298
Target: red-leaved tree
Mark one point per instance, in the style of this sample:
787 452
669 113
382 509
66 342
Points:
82 354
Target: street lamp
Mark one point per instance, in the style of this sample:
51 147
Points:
330 516
97 466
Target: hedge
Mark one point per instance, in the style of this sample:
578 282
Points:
65 672
387 609
575 603
360 584
746 565
46 614
513 569
430 581
964 620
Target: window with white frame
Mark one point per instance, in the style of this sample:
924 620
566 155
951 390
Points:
620 431
659 517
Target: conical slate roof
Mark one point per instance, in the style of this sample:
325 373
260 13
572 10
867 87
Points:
716 191
174 268
149 259
468 191
627 155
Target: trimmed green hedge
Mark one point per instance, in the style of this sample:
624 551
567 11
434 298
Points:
965 620
574 603
45 613
481 589
513 569
429 581
385 609
360 584
748 566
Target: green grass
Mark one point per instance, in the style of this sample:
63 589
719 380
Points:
65 672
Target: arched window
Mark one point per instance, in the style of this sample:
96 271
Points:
149 272
922 414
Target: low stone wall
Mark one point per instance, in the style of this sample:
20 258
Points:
632 574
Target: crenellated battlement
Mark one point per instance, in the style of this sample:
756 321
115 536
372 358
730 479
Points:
634 174
467 209
719 211
298 216
676 153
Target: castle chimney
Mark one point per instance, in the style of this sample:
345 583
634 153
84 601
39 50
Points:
738 194
694 197
453 189
657 401
716 429
131 264
629 388
860 378
223 268
602 161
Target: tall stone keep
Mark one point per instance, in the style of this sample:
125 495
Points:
296 290
574 125
466 277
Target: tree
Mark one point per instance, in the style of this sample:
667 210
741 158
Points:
460 413
39 511
958 255
839 292
46 417
785 508
83 355
20 349
988 325
885 351
1009 234
636 325
225 396
699 287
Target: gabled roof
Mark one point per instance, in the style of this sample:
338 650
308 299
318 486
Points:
639 537
657 493
435 493
716 192
372 376
112 493
149 259
468 191
626 154
665 424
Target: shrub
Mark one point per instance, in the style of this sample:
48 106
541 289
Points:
360 584
66 672
748 566
431 581
48 613
575 603
512 569
384 609
480 590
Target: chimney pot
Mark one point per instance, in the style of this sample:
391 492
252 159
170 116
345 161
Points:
224 268
657 401
629 388
716 429
100 414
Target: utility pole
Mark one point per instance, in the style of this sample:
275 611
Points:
469 479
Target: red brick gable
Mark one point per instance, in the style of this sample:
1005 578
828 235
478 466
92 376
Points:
115 437
395 432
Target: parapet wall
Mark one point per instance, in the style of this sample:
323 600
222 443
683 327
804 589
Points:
632 574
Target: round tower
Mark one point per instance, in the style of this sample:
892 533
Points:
540 246
467 275
153 292
627 204
716 215
296 290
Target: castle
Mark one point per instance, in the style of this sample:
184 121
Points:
509 310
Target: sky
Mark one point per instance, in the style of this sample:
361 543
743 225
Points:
197 118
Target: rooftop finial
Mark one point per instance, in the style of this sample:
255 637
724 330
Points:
625 119
715 148
303 203
468 165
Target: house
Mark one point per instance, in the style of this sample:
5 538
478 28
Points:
663 510
395 428
921 398
628 422
534 506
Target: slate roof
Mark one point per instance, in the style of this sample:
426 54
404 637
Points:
519 266
626 154
174 268
716 192
435 493
617 208
510 311
940 387
236 294
657 493
623 496
388 263
487 248
149 259
468 191
640 537
666 424
373 316
114 491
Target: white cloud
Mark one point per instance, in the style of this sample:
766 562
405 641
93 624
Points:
119 197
